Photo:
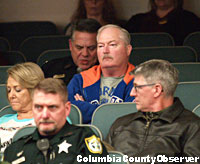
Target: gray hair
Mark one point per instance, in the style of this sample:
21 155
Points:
124 34
159 71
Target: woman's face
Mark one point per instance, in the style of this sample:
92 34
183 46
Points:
94 7
164 4
18 96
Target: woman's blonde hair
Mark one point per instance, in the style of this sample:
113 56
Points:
28 75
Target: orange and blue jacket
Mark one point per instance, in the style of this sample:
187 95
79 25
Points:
87 84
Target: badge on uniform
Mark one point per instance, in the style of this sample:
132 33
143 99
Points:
64 146
93 144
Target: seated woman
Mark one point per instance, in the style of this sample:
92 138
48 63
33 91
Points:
22 78
101 10
165 16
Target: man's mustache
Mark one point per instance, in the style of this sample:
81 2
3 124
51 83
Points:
107 56
46 121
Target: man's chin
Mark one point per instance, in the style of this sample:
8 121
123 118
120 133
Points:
47 131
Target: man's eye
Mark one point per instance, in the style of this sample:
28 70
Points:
113 45
100 46
92 48
52 107
79 47
38 107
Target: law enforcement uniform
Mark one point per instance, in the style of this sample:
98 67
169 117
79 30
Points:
64 147
61 68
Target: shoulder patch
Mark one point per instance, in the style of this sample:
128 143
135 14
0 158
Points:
94 144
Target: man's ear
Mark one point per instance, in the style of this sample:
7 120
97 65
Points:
158 89
67 108
70 44
129 49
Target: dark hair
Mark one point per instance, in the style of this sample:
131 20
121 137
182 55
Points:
178 4
108 12
85 25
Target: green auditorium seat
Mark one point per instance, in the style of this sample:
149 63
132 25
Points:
104 116
32 47
173 54
151 39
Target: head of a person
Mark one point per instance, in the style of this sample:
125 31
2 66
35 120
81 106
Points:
22 79
50 106
95 8
113 46
155 80
165 4
83 44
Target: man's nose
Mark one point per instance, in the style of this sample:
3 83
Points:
133 92
45 113
85 52
106 49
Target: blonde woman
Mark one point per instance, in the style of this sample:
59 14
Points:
22 78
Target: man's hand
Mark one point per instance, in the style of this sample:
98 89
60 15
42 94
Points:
78 97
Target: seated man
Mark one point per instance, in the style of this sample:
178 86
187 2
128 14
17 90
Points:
54 140
82 45
162 126
109 82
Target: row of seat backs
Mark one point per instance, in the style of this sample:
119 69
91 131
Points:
17 32
175 54
35 45
4 44
188 92
36 54
109 112
14 34
187 71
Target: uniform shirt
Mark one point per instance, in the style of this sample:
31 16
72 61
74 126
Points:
68 144
61 68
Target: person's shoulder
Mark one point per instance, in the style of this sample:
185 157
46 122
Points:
7 117
139 16
59 61
84 129
188 13
190 117
124 121
17 144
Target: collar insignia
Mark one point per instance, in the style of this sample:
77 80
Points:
19 160
60 76
20 153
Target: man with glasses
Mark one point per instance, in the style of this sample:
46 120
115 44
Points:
162 126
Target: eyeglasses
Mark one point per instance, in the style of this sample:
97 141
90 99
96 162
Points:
140 86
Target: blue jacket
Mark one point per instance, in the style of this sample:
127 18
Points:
87 84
